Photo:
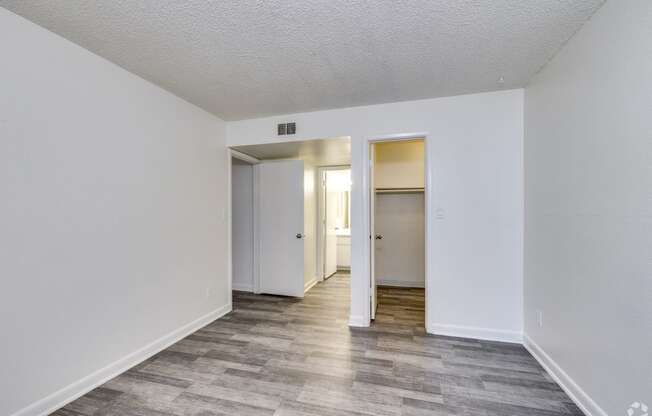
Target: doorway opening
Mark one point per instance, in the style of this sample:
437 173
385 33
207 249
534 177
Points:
280 192
398 231
334 221
244 255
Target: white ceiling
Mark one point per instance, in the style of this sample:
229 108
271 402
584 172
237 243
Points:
325 152
242 59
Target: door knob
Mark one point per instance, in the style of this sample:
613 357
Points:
379 236
300 235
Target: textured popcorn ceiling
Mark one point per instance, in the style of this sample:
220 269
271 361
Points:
244 59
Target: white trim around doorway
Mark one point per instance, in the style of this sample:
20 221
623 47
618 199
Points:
231 153
429 216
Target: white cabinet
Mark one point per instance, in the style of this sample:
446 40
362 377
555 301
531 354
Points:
343 251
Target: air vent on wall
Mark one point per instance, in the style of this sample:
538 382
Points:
287 128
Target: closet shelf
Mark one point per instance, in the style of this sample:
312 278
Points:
398 190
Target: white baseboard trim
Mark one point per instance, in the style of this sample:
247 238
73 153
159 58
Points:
243 287
308 285
399 283
358 321
488 334
80 387
574 391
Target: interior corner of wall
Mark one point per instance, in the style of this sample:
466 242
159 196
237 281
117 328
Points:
578 395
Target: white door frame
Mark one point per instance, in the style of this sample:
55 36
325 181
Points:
320 217
231 153
429 215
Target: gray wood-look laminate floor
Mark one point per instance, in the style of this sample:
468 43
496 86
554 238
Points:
288 357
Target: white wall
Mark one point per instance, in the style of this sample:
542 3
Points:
400 255
242 200
588 159
475 148
112 241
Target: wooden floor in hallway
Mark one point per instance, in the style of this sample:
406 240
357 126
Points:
288 357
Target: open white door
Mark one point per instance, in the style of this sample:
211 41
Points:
281 203
372 230
330 257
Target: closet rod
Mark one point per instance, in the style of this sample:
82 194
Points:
399 190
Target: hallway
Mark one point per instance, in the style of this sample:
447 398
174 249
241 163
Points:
289 357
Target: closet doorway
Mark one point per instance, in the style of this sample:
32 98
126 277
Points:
398 231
